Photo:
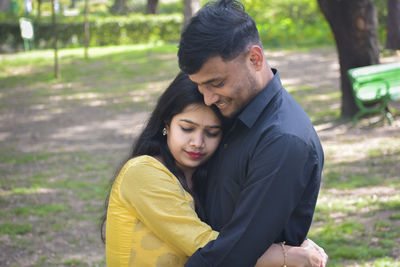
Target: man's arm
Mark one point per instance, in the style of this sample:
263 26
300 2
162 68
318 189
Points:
278 175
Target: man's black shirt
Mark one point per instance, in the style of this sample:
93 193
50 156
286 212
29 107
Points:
263 181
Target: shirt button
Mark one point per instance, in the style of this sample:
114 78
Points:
225 146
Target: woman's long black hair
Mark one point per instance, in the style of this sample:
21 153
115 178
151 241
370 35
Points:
179 94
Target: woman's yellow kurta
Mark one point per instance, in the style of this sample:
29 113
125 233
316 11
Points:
151 219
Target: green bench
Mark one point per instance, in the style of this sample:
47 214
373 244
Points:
373 87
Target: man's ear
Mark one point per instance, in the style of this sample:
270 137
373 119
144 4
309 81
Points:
256 55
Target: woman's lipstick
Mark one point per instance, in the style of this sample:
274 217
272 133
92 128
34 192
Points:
195 155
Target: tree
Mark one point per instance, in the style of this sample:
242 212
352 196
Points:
354 24
119 7
55 36
87 30
190 7
5 5
393 25
73 4
152 6
39 6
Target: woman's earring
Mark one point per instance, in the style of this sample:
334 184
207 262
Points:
164 131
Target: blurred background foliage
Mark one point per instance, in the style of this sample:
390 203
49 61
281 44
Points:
282 23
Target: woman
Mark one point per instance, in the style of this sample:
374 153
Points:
151 215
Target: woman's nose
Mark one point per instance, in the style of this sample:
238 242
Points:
197 139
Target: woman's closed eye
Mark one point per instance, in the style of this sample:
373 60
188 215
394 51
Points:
187 129
213 133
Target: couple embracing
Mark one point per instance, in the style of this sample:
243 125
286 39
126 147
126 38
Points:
228 167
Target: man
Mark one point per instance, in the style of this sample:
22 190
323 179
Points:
264 180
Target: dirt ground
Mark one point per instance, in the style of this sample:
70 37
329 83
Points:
97 131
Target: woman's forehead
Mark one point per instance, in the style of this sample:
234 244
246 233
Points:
199 114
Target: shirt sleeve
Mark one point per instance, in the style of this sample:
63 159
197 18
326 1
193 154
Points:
277 176
161 205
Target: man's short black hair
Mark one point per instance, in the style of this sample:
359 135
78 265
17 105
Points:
220 28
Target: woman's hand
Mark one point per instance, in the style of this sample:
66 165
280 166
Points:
310 245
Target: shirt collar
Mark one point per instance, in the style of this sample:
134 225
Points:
254 109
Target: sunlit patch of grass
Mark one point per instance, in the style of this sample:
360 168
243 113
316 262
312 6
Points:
338 206
16 182
391 203
378 145
383 262
37 57
329 206
110 72
24 190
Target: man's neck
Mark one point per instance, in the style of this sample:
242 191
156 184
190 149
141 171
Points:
266 76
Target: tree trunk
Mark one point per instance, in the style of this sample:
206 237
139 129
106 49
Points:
73 4
190 7
55 36
354 24
152 6
87 30
39 8
393 25
5 5
119 7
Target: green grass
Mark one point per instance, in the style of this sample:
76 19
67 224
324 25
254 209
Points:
42 210
74 262
13 229
11 159
385 262
348 241
315 103
395 216
91 83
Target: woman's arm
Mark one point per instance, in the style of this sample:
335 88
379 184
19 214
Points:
307 255
159 201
